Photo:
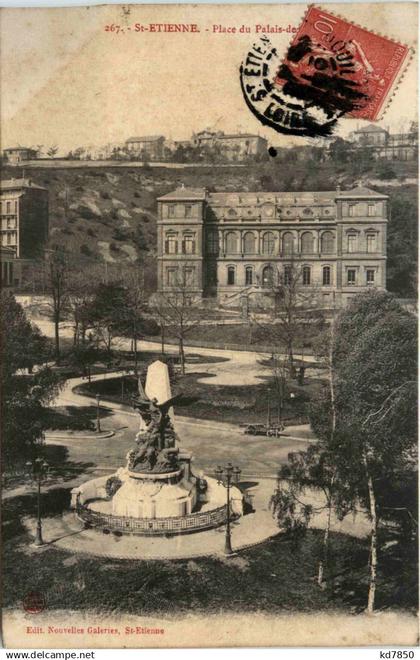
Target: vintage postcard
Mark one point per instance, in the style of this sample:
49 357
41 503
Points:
209 325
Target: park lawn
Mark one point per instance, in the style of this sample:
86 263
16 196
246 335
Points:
275 577
233 404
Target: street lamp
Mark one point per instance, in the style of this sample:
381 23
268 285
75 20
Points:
38 470
98 418
224 477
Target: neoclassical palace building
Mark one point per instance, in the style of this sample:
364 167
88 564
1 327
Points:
230 245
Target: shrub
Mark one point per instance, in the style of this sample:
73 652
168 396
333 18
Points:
85 249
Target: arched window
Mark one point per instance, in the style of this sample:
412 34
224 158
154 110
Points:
231 275
267 276
231 243
327 242
307 243
249 243
287 277
306 275
326 275
212 242
248 275
268 243
287 243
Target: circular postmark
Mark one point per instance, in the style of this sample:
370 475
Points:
304 94
34 602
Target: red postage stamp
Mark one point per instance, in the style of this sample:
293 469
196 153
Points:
344 65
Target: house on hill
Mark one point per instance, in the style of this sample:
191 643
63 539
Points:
16 155
150 146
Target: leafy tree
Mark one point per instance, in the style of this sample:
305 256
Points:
402 247
340 151
375 361
104 313
24 396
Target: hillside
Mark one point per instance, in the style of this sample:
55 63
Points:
109 213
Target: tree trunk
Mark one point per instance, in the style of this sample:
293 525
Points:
57 337
162 338
182 355
290 358
76 333
135 356
325 545
373 540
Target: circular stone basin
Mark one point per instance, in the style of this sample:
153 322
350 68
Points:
155 476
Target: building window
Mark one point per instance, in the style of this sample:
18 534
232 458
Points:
231 243
248 275
231 275
351 276
269 243
287 275
188 211
307 243
188 245
326 276
188 276
371 210
171 244
288 243
327 242
306 275
352 210
8 207
371 243
213 242
370 276
267 276
171 276
351 243
249 243
9 238
171 210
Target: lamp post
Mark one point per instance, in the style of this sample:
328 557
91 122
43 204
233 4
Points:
98 418
224 477
37 470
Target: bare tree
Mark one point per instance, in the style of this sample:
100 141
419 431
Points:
294 312
178 309
56 279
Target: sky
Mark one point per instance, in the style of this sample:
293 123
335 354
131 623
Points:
66 80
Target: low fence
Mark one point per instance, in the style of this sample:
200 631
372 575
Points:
153 526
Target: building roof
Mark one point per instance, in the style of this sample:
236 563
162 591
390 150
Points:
361 191
20 149
194 194
303 197
146 138
16 184
371 128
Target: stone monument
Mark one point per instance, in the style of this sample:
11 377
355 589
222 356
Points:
156 492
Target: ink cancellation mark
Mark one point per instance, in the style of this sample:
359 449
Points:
332 68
